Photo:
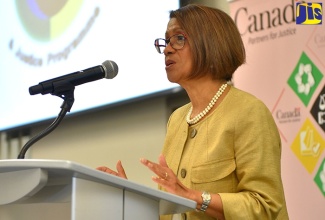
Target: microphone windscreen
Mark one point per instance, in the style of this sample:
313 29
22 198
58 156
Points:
111 69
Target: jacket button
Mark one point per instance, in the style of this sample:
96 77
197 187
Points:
183 173
193 133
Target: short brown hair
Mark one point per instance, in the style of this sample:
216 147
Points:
214 39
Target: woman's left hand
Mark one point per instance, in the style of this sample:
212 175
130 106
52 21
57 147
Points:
166 177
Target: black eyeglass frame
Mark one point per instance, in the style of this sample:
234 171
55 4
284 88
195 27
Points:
167 41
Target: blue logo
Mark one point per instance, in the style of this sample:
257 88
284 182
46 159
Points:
309 13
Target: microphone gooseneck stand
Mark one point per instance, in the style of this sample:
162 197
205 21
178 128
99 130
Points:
64 90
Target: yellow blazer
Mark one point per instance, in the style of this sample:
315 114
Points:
236 152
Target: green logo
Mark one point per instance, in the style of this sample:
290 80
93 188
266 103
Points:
305 79
320 178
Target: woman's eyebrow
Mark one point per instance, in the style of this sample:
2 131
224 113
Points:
173 32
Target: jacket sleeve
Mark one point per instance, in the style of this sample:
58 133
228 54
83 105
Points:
258 166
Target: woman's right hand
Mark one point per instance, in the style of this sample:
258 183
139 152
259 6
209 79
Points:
120 170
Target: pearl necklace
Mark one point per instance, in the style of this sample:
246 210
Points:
213 101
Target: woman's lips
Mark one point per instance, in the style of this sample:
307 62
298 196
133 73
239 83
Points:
169 63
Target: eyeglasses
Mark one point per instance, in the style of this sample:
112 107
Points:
177 42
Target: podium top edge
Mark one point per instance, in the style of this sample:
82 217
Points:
69 168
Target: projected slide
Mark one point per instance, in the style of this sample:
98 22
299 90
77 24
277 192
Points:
41 40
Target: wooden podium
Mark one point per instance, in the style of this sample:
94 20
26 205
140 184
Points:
89 194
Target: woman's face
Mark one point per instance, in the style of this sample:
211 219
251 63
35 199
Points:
178 62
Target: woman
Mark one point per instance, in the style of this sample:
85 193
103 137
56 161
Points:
222 149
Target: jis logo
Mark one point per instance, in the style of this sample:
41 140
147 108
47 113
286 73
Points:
309 13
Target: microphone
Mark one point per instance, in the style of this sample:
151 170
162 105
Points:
108 70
